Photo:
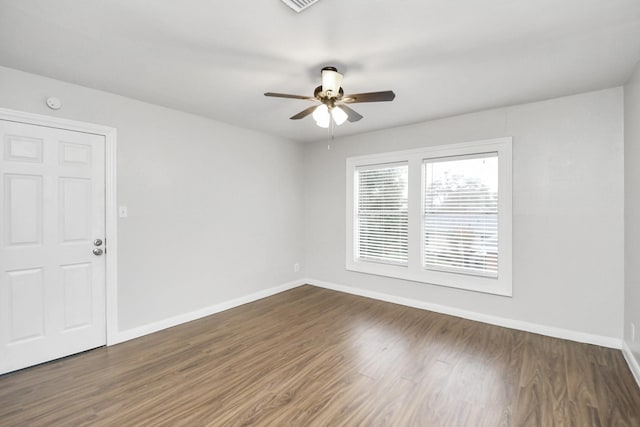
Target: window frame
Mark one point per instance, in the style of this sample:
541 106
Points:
414 270
433 160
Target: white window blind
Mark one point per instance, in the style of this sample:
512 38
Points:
460 215
381 226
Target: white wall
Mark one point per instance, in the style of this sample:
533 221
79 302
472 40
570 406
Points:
632 213
214 210
567 204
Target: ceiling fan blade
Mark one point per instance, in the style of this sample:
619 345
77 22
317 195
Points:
285 95
352 115
386 95
304 113
331 80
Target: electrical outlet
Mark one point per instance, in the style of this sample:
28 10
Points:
296 267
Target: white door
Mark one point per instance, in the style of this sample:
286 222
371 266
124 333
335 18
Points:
52 210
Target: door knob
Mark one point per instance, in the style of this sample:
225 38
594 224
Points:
97 242
97 251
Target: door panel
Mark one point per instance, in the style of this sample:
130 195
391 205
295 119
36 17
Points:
76 282
23 205
23 149
74 209
52 208
26 302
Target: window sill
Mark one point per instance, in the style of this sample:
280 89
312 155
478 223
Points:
494 286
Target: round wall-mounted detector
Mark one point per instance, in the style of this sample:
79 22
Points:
54 103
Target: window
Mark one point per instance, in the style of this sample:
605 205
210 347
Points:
460 215
439 215
381 215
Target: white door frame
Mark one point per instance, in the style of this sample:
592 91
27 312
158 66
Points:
111 209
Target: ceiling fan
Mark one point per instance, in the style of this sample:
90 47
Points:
333 100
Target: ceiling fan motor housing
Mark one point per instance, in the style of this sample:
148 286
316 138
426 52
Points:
327 96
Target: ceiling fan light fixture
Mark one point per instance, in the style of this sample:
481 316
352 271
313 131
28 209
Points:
331 81
321 116
339 116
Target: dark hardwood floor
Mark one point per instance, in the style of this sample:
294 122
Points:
315 357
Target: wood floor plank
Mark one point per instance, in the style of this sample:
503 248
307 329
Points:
581 389
542 398
315 357
618 398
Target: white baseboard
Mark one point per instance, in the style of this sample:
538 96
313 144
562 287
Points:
203 312
480 317
551 331
634 364
409 302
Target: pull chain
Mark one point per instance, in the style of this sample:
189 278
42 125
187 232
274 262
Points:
330 134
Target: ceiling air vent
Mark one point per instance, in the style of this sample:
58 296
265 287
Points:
299 5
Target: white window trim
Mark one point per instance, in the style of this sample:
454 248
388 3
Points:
502 285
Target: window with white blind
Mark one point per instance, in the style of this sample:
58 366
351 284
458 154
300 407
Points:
381 213
439 215
460 214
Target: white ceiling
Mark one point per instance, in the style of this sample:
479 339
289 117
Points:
216 58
